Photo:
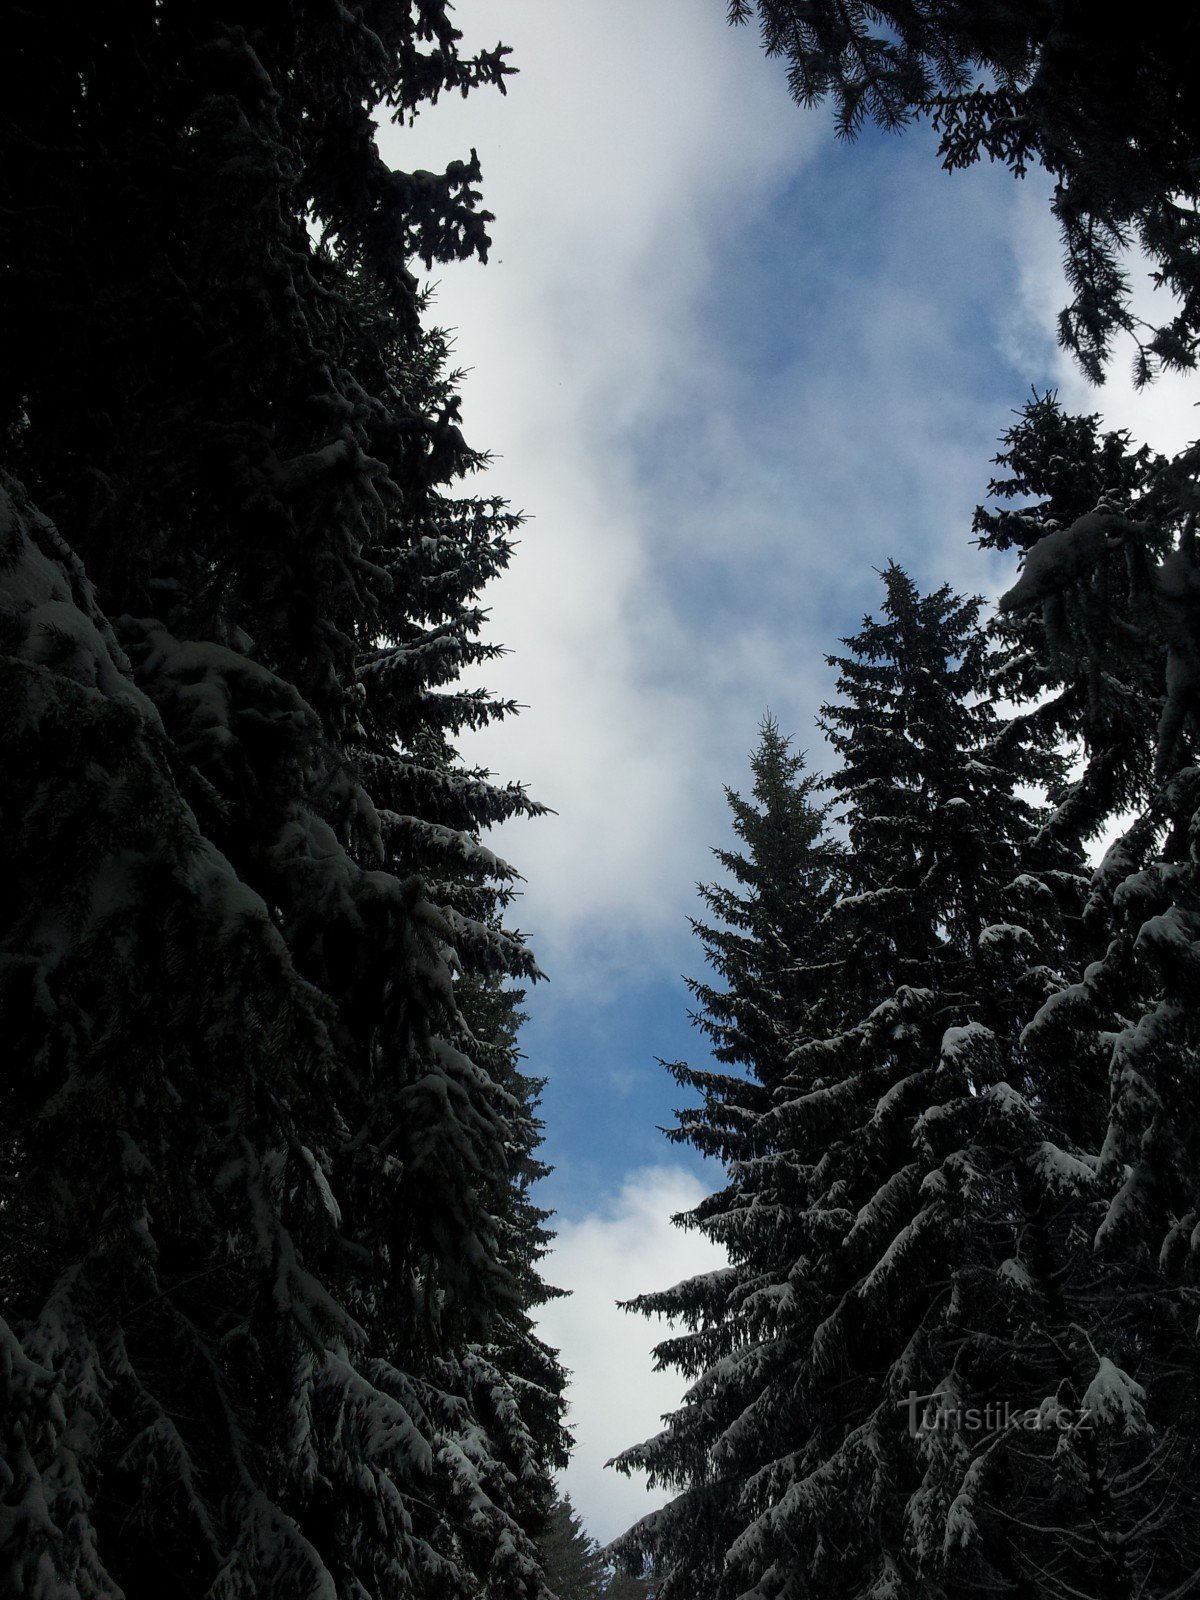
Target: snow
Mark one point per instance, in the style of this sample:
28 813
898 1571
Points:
890 1584
1073 994
1000 933
1013 1271
1008 1102
1173 934
1028 883
211 875
960 1521
454 843
1131 1201
1114 1398
321 1184
957 1041
1062 1172
880 1211
1065 555
63 629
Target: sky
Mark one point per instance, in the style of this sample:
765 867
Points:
728 367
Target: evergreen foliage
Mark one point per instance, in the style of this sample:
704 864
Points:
573 1563
767 950
761 946
1108 700
1107 594
1109 112
1144 891
929 788
630 1586
908 1216
268 1260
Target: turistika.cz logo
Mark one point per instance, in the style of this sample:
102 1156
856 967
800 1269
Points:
930 1413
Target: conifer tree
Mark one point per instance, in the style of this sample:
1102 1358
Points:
1142 894
766 951
928 789
1107 702
267 1261
574 1565
916 1214
1133 1006
946 947
632 1586
1110 113
762 948
1102 1317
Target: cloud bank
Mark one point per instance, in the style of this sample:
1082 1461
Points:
616 1398
728 368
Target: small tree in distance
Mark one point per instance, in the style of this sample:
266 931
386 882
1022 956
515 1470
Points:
572 1560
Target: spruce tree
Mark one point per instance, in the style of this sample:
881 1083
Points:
1109 112
1142 896
914 1217
574 1565
267 1261
1107 702
761 947
1133 1006
632 1586
769 967
948 938
1101 1498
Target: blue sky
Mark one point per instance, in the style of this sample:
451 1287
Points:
728 367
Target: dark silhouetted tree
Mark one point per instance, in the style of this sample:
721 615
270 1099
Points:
574 1566
267 1259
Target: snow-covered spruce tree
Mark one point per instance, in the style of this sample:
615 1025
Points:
761 945
1107 600
927 783
265 1259
1127 569
957 917
1110 114
533 1377
1106 701
769 967
914 1173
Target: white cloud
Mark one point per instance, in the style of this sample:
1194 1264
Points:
711 471
627 1248
613 173
1163 414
